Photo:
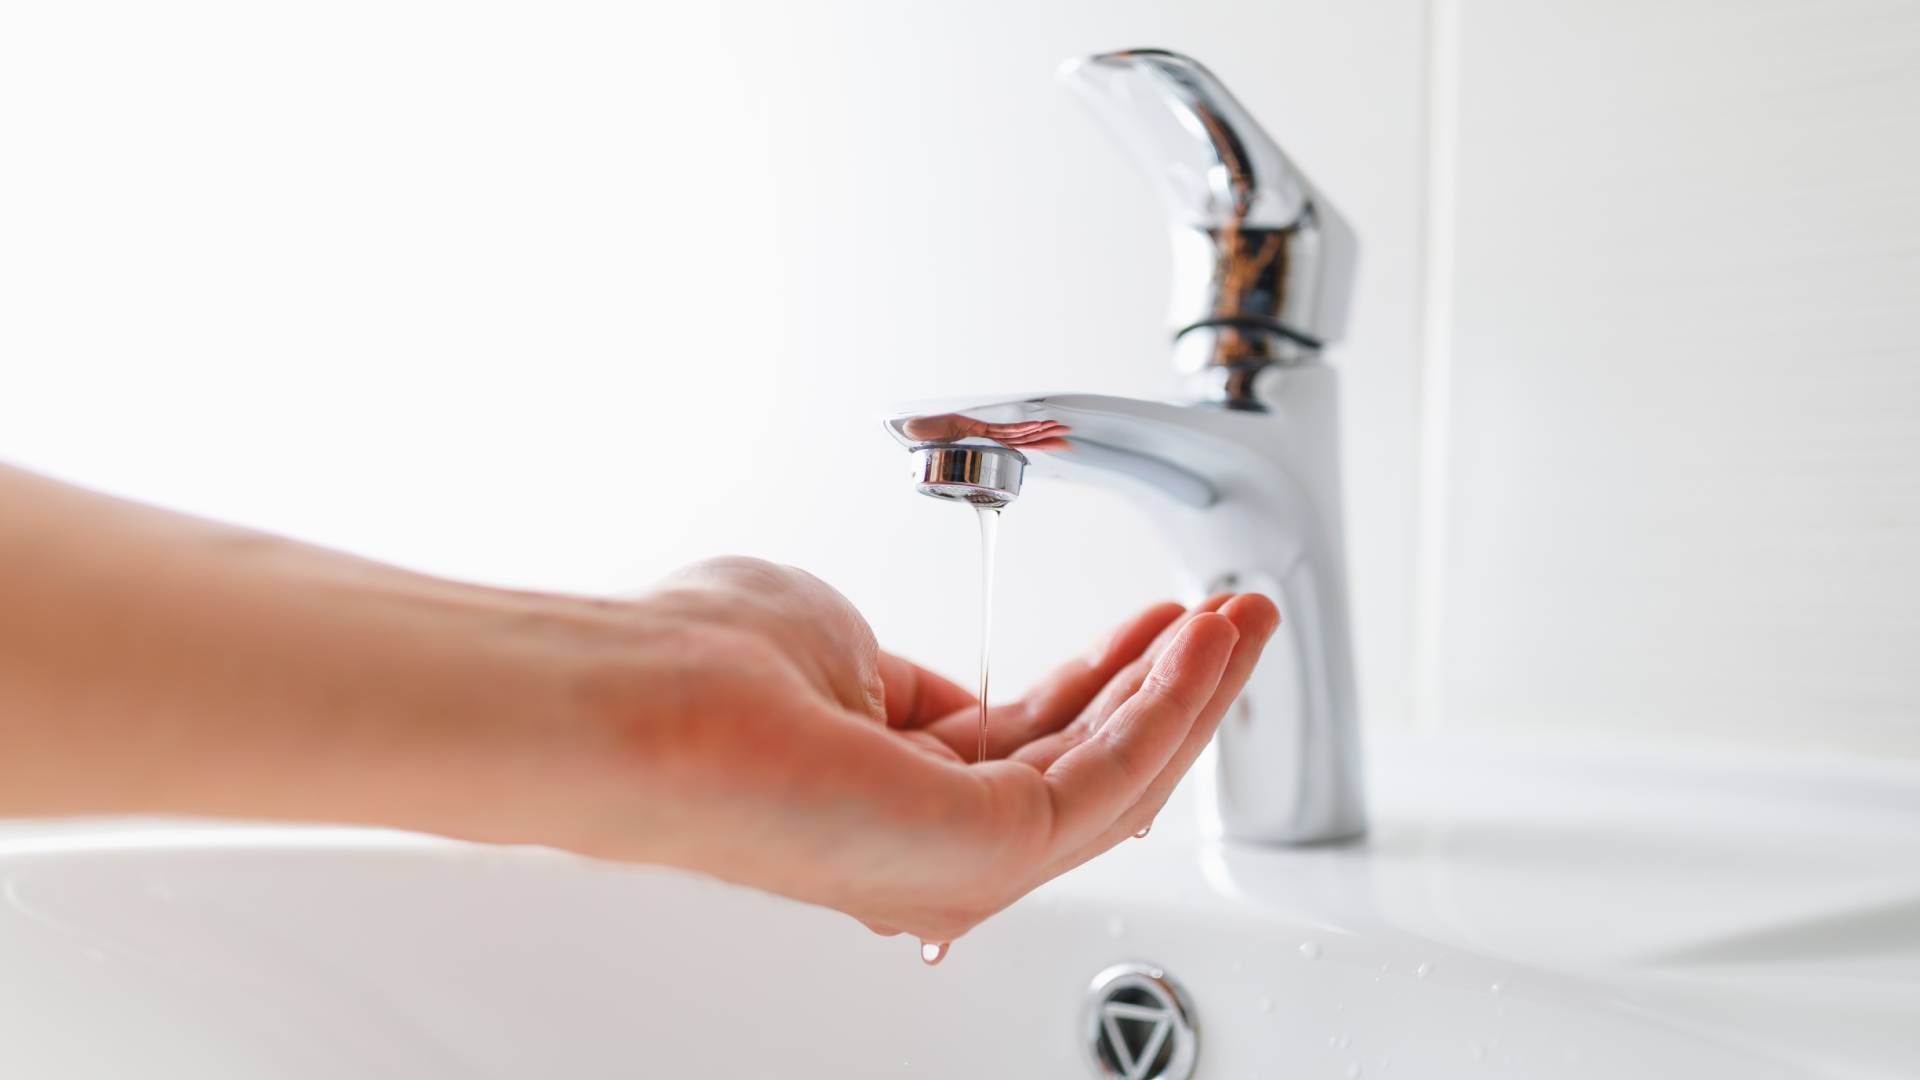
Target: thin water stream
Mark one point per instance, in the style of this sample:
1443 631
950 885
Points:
989 539
932 952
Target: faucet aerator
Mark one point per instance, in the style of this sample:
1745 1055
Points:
986 476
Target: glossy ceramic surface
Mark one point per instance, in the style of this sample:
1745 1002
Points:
1517 915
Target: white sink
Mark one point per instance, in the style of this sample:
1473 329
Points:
1512 915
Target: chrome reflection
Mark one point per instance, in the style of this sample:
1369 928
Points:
1263 263
1244 478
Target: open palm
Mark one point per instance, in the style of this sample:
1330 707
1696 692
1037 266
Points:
844 775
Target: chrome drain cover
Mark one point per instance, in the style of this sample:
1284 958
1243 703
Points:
1137 1025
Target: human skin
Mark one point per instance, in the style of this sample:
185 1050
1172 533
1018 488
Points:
739 721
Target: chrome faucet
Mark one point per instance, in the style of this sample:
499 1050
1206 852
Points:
1244 475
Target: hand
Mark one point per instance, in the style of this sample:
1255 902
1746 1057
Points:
797 757
740 721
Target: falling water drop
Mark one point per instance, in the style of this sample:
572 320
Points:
932 952
1310 950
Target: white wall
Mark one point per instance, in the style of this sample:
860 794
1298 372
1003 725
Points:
1682 458
564 295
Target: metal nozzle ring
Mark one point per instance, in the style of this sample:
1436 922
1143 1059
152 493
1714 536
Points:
981 475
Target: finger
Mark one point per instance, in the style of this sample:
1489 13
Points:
1096 782
1047 445
1046 748
1059 697
1024 427
1117 692
1035 433
1257 618
880 928
915 696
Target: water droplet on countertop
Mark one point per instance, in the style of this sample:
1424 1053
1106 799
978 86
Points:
932 952
1310 950
1116 926
1422 971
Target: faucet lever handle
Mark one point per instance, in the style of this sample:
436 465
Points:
1264 264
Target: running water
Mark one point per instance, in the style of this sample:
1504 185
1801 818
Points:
989 535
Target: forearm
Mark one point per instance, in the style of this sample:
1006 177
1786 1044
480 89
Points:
152 662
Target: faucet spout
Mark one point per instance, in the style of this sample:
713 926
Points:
1250 502
1247 482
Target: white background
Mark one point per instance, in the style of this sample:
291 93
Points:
564 295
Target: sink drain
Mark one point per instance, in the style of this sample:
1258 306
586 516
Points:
1138 1026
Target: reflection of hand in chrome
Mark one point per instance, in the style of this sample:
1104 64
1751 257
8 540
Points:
1045 435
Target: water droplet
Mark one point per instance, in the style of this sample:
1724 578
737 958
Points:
1496 988
1310 950
1339 1041
1144 830
1266 1003
932 952
1116 926
1421 971
1353 1071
